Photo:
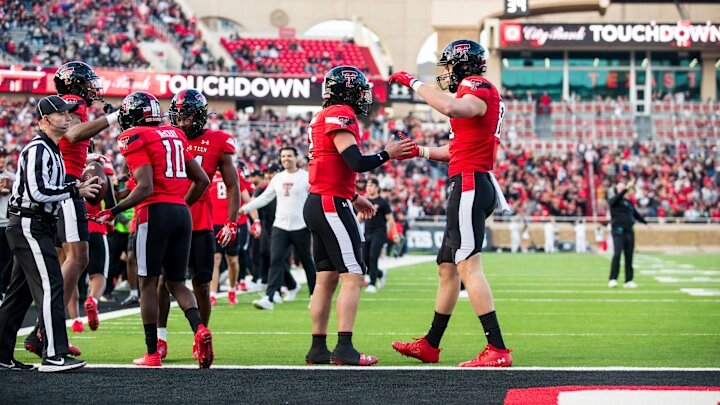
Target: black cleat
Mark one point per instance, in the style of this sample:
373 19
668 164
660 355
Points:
16 366
318 356
60 363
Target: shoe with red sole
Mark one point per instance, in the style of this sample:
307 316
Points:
232 299
213 301
363 361
33 343
203 340
419 349
195 351
491 356
77 326
91 311
73 350
242 286
162 348
149 360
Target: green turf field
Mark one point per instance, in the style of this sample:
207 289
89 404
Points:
554 310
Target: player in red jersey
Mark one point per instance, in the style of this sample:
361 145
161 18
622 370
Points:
335 158
476 115
214 151
161 166
75 82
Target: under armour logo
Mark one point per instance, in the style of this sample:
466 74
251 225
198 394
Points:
204 142
345 204
461 51
350 76
501 360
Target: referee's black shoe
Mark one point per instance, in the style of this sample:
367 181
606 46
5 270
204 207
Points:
60 363
15 366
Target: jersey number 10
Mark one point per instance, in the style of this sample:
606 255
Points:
174 159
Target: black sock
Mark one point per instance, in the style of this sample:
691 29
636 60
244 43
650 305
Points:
492 329
193 315
151 337
437 329
345 339
319 341
345 350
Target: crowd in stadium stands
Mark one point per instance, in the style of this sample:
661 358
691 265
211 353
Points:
673 181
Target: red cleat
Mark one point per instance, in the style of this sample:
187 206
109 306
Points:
73 350
491 356
162 348
213 301
195 351
92 313
419 349
232 300
33 343
203 340
77 327
242 285
364 361
149 360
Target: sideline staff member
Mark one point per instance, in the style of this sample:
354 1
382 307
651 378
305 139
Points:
622 219
33 209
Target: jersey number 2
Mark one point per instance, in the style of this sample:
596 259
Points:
174 159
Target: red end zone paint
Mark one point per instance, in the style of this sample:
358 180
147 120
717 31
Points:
551 395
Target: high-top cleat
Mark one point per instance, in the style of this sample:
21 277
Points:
363 361
232 299
195 351
491 356
419 349
33 343
162 348
203 340
317 356
73 350
77 326
91 311
149 360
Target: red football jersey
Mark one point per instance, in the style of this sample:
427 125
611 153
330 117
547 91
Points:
164 148
94 227
244 186
329 174
207 149
75 154
474 141
218 195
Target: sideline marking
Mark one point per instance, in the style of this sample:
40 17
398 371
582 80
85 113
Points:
414 368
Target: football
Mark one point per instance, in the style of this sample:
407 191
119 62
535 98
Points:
96 169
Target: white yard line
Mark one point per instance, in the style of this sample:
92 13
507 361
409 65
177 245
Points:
414 368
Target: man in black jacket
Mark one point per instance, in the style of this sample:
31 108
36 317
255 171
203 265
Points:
623 216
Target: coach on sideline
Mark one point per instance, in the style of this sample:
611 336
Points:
33 210
622 218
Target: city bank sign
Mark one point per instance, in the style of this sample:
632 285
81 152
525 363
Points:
683 34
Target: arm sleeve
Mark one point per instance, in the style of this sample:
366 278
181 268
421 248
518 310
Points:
38 179
360 163
386 208
616 198
638 216
263 199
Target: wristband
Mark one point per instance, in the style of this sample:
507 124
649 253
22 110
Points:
424 152
415 84
256 220
355 197
115 211
112 118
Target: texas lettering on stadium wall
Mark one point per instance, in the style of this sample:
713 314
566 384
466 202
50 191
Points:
683 34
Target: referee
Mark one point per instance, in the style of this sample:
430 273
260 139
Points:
622 218
33 209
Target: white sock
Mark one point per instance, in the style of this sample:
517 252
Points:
133 293
234 288
162 333
213 294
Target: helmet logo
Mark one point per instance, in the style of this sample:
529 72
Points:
199 97
461 50
66 72
350 76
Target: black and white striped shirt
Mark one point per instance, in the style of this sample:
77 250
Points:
40 180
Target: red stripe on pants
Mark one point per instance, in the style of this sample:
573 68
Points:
328 203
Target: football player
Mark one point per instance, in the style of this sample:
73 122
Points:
160 166
214 151
335 160
476 115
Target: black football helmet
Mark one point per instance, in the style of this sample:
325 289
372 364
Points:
466 58
348 85
244 169
79 79
189 103
139 109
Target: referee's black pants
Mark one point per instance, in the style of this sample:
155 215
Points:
622 243
6 261
372 248
35 276
280 245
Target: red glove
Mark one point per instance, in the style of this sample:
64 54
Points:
415 151
403 78
101 217
256 229
227 234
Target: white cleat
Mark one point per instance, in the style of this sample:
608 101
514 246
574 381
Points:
612 283
277 298
630 284
371 289
291 294
264 303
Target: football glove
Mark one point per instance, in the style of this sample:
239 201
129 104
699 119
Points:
227 234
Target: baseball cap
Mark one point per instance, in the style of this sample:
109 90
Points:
54 104
255 173
273 168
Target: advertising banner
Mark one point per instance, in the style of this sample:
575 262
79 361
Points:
427 237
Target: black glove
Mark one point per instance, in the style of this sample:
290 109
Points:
109 108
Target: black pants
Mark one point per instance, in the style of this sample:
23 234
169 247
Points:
6 261
624 242
261 255
372 248
280 245
118 243
35 276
